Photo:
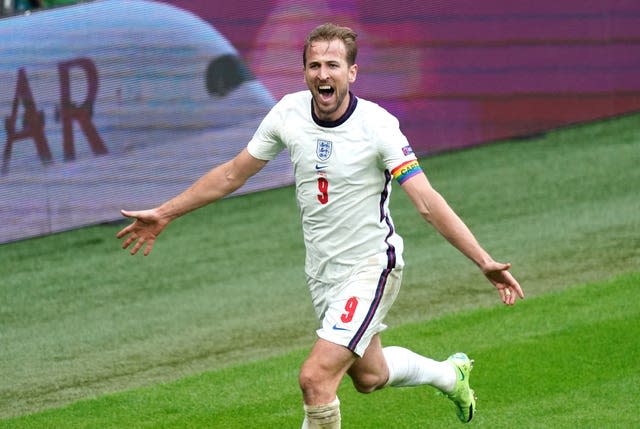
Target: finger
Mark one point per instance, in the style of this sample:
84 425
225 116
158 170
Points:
519 290
514 286
503 295
127 213
124 231
511 298
149 247
506 295
133 237
138 245
127 242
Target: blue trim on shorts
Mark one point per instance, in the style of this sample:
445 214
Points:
391 263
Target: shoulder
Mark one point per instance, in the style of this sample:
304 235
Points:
376 114
383 130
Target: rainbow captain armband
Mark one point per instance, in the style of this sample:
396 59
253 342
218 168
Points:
406 170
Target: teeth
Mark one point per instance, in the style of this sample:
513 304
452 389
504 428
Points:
324 87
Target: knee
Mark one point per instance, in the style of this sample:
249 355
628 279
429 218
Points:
315 385
308 380
368 383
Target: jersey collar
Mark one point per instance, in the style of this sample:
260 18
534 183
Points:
353 102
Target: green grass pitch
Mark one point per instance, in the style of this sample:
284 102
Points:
562 360
209 331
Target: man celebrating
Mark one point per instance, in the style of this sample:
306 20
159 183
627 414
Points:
346 152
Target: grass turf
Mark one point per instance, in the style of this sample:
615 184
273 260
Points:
561 360
80 319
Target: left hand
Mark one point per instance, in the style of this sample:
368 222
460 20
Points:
508 287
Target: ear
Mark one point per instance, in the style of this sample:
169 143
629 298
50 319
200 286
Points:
353 73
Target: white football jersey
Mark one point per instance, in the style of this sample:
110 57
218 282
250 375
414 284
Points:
343 172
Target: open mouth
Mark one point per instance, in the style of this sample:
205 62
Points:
326 91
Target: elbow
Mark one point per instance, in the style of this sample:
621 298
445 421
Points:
232 182
233 177
427 215
430 205
424 210
426 200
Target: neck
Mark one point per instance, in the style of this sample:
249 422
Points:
346 111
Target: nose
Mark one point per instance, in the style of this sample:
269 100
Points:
323 73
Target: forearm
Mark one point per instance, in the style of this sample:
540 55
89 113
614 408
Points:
216 184
435 210
453 229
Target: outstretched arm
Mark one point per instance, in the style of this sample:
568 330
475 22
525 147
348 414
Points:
435 210
214 185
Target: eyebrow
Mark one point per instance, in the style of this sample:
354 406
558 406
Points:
327 62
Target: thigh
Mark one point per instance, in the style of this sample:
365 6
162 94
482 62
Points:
329 358
356 309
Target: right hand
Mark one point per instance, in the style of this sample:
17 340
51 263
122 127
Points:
144 230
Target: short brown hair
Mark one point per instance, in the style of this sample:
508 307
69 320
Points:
329 32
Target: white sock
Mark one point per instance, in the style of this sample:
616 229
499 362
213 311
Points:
322 416
407 368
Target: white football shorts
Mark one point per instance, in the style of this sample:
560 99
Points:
352 311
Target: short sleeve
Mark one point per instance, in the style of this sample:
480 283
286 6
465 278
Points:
395 150
266 142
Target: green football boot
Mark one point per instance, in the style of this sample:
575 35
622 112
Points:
462 395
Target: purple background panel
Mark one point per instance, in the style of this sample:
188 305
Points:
457 73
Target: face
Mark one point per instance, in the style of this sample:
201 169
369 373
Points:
328 76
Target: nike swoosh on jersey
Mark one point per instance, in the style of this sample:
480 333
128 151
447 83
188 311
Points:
321 166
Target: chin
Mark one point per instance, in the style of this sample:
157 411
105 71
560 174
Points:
324 109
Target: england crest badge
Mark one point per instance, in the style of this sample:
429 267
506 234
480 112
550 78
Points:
323 150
